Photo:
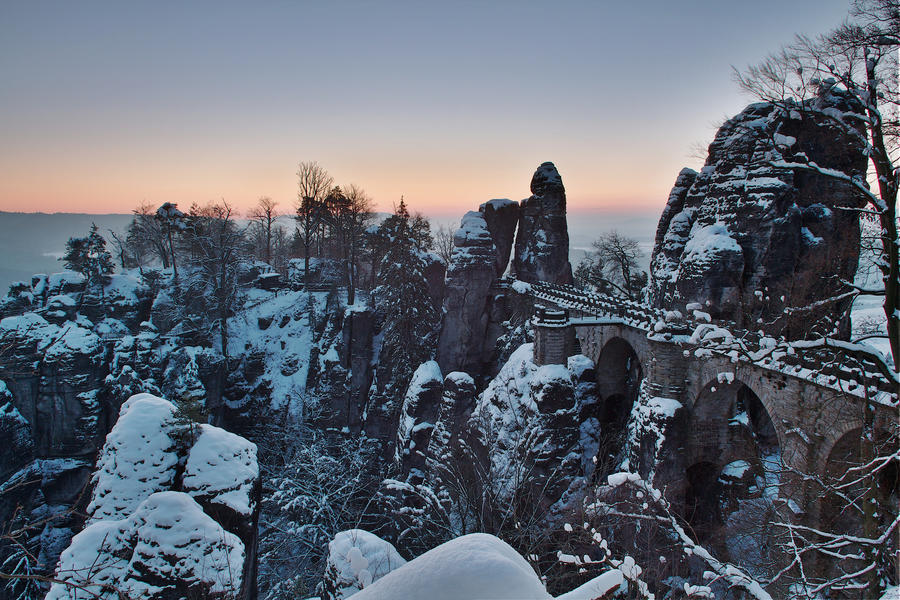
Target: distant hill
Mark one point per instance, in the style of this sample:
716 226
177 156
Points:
33 242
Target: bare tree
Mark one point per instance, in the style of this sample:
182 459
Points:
217 240
355 219
146 235
613 266
313 185
264 216
858 59
443 243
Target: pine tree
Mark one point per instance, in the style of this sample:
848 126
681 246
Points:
408 317
89 256
402 297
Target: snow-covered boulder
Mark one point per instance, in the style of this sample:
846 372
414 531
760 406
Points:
143 452
221 472
357 559
139 458
178 504
166 548
479 566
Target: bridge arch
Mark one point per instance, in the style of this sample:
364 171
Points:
619 373
733 456
619 369
846 454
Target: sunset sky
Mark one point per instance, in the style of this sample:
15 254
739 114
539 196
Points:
107 104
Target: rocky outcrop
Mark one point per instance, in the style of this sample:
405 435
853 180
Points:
173 513
356 560
527 420
471 273
542 241
501 217
417 417
748 240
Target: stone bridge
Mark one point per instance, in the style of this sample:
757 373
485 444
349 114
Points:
694 382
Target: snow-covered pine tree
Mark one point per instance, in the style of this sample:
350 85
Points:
407 315
89 256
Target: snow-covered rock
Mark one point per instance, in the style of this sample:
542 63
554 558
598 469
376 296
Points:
542 240
745 238
166 548
477 565
155 532
357 559
221 470
527 422
139 458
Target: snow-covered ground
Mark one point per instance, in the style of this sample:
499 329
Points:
286 341
477 565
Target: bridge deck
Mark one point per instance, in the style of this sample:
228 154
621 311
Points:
837 364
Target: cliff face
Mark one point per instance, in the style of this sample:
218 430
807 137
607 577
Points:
472 271
746 238
542 241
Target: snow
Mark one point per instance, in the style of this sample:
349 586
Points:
477 565
521 287
666 407
472 231
784 140
137 459
57 280
552 374
736 469
56 341
62 299
428 372
499 203
287 367
598 587
168 540
357 558
141 456
891 593
707 242
578 364
222 468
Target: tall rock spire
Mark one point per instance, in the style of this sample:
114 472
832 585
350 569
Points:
542 241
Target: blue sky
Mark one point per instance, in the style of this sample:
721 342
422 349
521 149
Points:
106 104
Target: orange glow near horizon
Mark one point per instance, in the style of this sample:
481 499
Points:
433 190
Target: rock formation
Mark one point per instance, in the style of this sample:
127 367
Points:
746 239
475 301
501 217
471 274
356 560
542 241
173 513
527 420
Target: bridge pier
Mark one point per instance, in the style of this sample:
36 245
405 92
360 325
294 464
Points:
554 337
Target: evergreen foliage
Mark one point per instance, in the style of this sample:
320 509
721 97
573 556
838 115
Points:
89 256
